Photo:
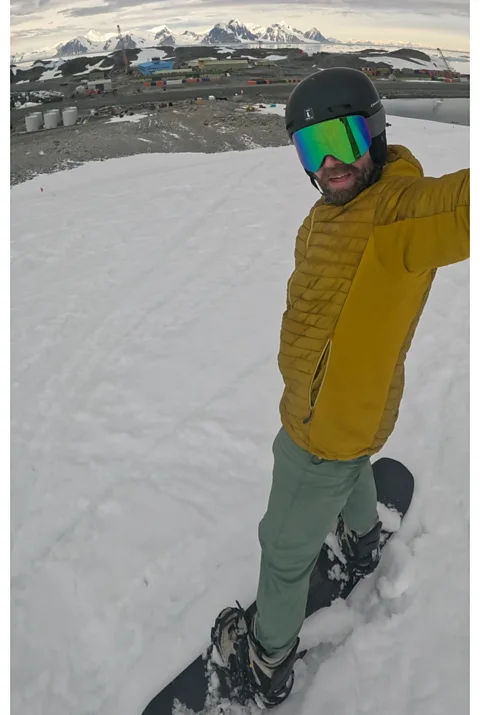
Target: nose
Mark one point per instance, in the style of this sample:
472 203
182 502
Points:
330 161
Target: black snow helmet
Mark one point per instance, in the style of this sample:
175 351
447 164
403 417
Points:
338 92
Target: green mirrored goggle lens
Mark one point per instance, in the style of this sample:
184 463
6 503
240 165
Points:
345 138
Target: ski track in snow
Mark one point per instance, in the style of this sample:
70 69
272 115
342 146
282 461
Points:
145 397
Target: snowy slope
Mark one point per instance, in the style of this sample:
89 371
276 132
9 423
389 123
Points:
147 295
402 63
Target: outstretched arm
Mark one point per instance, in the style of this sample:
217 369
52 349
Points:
425 223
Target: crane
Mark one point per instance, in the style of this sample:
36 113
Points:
449 71
122 47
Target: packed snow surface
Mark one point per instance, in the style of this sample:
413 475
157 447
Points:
127 118
147 295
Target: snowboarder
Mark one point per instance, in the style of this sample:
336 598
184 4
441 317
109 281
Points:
365 259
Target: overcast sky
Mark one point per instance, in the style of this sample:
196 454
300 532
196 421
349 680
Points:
37 24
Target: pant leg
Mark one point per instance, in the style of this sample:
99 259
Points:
307 496
360 512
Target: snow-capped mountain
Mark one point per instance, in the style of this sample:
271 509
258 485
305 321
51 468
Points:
163 36
95 42
242 31
257 30
132 41
315 35
188 37
221 34
282 34
77 46
278 33
95 36
232 32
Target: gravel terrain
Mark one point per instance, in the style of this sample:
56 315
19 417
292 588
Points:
209 127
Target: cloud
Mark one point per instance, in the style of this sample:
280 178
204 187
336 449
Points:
86 11
426 7
43 31
28 7
403 20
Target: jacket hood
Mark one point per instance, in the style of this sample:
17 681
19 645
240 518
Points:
401 162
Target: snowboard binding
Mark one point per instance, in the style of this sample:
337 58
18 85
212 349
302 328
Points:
243 666
362 553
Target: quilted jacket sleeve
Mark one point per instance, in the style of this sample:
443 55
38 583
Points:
302 238
423 224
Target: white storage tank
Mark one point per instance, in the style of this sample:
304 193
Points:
50 120
75 111
70 116
32 122
39 116
57 112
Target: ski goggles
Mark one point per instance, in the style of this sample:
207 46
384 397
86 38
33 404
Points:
345 138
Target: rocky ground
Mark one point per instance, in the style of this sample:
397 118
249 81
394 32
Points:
186 127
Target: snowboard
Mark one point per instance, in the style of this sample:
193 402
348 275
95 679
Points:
192 688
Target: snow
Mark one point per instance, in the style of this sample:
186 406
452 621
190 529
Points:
127 118
147 54
26 104
400 63
147 295
50 74
274 58
95 36
458 61
91 68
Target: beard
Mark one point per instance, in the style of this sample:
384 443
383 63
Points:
362 178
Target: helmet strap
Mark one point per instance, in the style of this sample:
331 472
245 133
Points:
313 180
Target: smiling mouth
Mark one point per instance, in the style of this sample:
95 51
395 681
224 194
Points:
340 178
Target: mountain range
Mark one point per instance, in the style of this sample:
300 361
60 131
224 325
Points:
233 32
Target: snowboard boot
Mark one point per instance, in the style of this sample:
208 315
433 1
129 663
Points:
251 672
361 552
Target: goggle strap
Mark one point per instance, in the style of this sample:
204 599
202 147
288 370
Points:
377 122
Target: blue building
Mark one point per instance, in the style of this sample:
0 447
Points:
148 68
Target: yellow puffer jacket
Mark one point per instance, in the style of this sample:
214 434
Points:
362 276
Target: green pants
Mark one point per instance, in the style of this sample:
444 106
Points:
306 498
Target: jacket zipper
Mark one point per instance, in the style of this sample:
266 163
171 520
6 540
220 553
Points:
312 407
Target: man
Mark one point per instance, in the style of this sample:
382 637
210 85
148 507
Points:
365 259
